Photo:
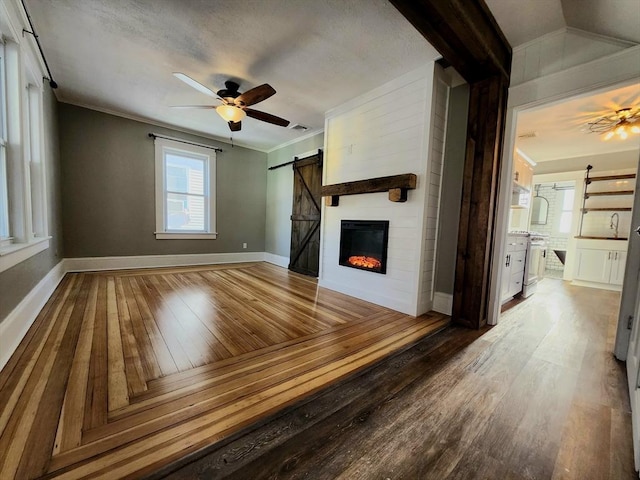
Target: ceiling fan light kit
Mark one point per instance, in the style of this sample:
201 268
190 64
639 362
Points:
234 104
620 123
230 113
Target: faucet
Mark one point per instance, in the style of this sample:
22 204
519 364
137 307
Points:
613 224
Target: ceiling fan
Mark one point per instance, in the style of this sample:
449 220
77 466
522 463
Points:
235 104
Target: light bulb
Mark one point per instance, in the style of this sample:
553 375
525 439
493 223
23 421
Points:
608 136
623 134
618 129
231 113
635 129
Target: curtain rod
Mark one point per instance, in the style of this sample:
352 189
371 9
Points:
157 135
52 82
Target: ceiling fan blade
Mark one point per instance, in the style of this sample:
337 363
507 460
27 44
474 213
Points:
266 117
255 95
192 83
235 126
192 106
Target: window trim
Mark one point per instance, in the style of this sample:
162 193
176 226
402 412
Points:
22 86
163 145
559 211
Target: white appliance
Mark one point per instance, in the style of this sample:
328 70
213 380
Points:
535 262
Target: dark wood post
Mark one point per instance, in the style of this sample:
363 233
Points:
468 37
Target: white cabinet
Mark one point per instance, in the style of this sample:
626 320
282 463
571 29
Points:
617 267
513 267
600 266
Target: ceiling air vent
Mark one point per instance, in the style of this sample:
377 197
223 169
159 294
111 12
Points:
299 127
528 135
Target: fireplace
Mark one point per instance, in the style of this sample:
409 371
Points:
363 244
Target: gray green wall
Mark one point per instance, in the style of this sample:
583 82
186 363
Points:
280 194
18 281
108 190
451 196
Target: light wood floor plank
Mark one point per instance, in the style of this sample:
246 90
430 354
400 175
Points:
125 371
117 388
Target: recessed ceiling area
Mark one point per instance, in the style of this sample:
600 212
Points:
558 131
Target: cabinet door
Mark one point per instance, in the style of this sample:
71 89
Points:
593 265
515 283
506 278
619 260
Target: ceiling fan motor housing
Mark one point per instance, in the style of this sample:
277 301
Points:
231 91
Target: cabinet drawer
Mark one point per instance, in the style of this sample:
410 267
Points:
515 284
517 261
516 244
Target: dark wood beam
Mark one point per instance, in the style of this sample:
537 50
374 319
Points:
397 185
485 126
468 37
464 32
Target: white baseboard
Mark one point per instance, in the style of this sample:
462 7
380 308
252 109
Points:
150 261
276 259
15 326
443 302
603 286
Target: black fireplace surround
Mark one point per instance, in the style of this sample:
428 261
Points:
363 244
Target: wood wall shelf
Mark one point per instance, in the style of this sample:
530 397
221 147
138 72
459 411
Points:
607 209
396 185
587 237
609 177
600 194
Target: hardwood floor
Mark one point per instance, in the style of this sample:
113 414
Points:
540 396
125 372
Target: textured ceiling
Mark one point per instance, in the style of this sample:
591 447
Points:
119 56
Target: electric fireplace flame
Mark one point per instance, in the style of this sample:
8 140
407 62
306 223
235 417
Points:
364 262
363 245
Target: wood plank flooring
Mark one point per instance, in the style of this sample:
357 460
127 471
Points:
540 396
126 372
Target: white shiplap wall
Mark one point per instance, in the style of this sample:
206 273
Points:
436 158
384 132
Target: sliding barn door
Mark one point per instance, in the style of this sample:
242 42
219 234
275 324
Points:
305 216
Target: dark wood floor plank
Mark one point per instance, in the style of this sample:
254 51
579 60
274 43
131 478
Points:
587 432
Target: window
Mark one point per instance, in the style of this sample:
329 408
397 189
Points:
185 190
566 211
23 198
4 193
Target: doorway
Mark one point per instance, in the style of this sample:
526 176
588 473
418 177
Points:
305 215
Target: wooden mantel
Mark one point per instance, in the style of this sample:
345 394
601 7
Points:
396 185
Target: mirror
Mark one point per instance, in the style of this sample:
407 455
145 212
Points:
539 211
